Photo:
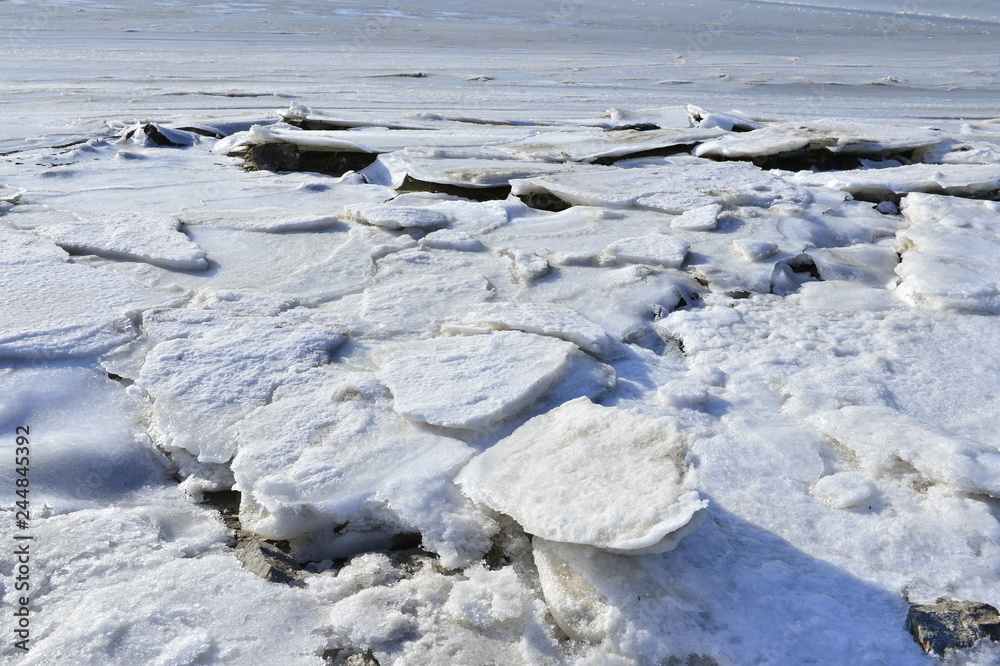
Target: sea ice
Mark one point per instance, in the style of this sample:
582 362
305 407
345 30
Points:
950 253
329 466
57 309
954 179
559 321
593 475
205 372
395 217
156 239
655 249
472 381
836 136
670 189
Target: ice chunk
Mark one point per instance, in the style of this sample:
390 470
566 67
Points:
375 139
556 320
474 381
328 453
207 371
260 219
755 250
655 249
54 309
414 290
951 253
727 121
880 438
957 179
155 239
871 265
449 239
526 266
587 145
836 136
670 189
703 218
593 475
395 217
493 171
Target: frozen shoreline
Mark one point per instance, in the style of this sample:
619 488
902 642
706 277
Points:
511 378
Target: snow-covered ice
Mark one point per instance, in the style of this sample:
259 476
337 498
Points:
561 333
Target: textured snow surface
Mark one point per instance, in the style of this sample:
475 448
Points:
524 367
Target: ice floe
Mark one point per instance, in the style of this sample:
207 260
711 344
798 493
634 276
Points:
156 239
950 253
96 309
473 381
206 372
592 475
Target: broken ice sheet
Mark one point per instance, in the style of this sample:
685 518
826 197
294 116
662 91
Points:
558 321
395 217
328 465
951 253
57 309
836 136
153 238
495 171
886 442
413 290
206 371
954 179
670 189
592 475
472 381
653 249
587 145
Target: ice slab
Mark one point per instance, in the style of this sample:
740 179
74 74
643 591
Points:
414 290
592 475
431 166
155 239
836 136
670 189
881 437
655 249
395 217
955 179
57 309
205 372
328 453
703 218
373 140
951 253
558 321
260 219
588 145
473 381
449 239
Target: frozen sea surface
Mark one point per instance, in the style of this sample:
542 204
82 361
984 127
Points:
523 333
